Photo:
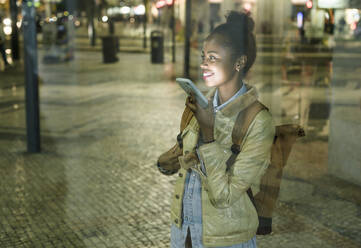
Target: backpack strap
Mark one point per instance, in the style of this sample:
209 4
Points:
243 121
186 118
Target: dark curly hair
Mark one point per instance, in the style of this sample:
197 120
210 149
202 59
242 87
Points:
237 34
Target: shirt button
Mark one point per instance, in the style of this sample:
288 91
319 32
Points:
180 175
177 196
176 221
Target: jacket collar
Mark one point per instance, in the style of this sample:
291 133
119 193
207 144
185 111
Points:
238 104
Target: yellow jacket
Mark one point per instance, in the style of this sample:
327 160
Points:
228 215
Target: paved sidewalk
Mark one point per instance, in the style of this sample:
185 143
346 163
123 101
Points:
95 183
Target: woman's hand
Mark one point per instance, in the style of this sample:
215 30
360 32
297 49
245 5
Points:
205 118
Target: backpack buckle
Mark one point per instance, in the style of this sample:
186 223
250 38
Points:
179 140
235 149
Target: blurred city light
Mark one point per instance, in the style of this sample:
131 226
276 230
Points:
8 51
247 7
353 26
299 2
160 4
352 15
327 15
139 10
125 10
7 21
105 18
332 4
18 24
8 30
309 4
53 19
299 19
169 2
154 11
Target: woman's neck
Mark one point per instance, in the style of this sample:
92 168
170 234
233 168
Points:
225 92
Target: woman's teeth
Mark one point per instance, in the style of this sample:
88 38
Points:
207 74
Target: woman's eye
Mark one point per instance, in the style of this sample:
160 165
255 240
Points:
212 58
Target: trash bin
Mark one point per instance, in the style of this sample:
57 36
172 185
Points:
157 46
110 48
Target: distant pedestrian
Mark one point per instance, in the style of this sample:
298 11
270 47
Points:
210 205
341 25
2 42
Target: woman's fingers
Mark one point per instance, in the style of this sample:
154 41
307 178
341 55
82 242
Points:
190 103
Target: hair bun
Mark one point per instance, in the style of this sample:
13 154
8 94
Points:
240 19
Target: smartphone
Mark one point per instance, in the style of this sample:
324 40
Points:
188 86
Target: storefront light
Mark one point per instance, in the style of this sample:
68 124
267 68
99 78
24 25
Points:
352 15
247 7
327 15
160 4
309 4
124 10
139 10
154 11
299 19
353 26
110 12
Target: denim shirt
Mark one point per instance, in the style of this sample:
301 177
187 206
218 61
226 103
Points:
192 201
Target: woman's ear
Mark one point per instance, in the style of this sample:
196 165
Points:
241 62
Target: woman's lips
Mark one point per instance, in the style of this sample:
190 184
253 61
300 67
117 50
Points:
207 74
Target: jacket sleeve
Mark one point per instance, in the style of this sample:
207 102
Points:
226 188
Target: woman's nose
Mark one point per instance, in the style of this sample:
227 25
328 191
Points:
203 65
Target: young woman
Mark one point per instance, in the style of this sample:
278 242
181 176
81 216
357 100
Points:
210 206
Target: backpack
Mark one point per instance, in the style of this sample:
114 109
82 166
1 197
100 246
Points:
285 136
265 200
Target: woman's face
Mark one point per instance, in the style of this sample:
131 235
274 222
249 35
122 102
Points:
217 63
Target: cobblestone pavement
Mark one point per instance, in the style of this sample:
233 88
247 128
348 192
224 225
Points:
95 183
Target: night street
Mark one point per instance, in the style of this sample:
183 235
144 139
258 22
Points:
89 102
95 184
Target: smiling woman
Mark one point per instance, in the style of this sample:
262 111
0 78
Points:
228 53
210 207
